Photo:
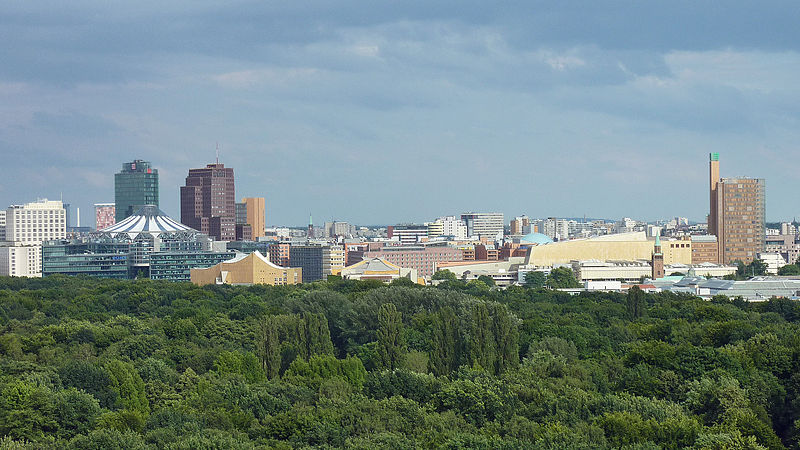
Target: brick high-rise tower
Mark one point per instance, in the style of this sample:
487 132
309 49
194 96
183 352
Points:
737 215
208 201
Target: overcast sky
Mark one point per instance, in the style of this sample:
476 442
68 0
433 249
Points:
386 112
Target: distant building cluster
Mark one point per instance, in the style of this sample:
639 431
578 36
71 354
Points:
221 241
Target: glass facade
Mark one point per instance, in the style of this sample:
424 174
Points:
309 258
250 247
104 260
176 266
135 185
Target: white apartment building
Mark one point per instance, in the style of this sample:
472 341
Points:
555 229
2 226
34 222
448 226
26 226
21 260
488 225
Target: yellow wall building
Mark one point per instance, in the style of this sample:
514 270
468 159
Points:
613 247
256 215
247 269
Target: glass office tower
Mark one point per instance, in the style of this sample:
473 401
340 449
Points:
136 185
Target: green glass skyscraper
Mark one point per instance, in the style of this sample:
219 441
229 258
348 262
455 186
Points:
135 185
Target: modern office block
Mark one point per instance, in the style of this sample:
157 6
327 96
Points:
208 202
135 186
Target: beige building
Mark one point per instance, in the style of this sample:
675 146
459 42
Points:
332 259
377 269
247 269
737 215
256 216
741 218
614 247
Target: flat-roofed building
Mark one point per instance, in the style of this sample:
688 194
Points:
626 271
21 260
104 215
26 227
741 224
247 269
704 249
177 266
317 261
737 215
279 253
421 258
484 225
255 215
408 233
135 186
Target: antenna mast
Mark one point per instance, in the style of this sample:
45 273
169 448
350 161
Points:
217 152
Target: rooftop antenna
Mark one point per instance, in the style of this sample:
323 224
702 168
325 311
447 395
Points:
217 152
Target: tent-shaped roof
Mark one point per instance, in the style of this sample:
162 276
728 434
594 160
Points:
372 266
148 219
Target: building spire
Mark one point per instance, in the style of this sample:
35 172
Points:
217 152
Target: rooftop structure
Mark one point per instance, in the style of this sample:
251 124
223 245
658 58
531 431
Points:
208 201
135 185
377 269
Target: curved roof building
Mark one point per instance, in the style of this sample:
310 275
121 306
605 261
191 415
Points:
148 219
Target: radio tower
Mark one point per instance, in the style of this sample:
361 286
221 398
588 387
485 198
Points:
310 227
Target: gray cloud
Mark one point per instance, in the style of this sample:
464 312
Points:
402 106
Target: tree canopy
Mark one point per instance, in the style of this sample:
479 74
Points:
89 363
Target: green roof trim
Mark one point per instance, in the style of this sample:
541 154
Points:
714 156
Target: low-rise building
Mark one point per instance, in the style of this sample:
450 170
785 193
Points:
20 260
377 269
625 271
419 257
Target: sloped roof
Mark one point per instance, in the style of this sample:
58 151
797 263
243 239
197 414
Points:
372 265
148 219
256 254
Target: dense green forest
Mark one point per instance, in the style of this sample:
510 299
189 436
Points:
91 364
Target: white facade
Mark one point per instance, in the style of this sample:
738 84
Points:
489 225
332 259
774 262
21 260
25 228
628 271
35 222
451 226
555 229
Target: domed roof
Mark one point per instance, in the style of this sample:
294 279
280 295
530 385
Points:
148 219
535 238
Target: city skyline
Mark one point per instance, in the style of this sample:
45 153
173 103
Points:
561 110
